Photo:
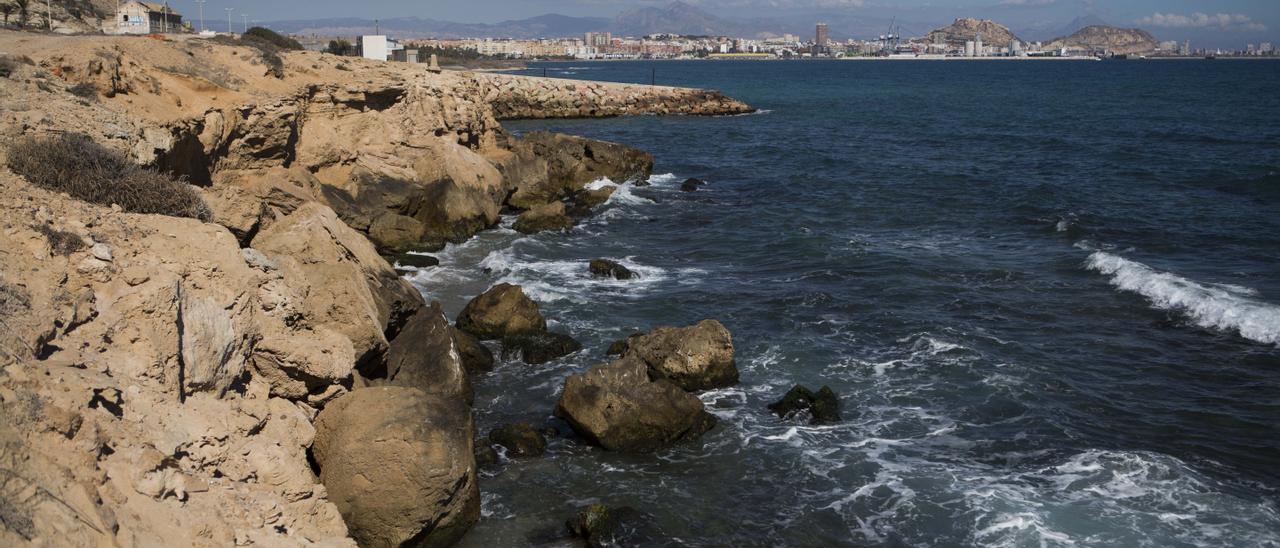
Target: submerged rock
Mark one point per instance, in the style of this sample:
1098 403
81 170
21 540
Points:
585 201
538 347
822 407
399 465
486 456
691 185
476 357
604 268
618 407
697 357
544 218
600 525
414 260
500 312
520 439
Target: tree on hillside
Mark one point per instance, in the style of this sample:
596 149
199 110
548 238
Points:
6 8
340 47
22 11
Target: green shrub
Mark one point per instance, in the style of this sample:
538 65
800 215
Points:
61 241
85 170
271 37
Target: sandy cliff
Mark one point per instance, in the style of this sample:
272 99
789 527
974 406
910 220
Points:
161 376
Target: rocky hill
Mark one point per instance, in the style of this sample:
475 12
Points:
1109 39
254 371
965 29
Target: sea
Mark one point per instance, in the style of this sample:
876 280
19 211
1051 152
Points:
1047 293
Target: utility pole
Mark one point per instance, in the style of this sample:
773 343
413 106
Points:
201 4
245 18
228 19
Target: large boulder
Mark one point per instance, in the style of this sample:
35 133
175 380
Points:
399 465
424 356
697 357
501 311
620 408
544 218
349 288
476 358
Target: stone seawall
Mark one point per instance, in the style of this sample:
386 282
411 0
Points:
522 97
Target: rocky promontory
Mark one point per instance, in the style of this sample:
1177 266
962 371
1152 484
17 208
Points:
250 369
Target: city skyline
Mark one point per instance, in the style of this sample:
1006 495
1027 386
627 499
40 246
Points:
1229 23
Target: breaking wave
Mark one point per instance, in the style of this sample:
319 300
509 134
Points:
1223 307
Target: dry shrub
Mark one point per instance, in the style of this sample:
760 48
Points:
9 64
62 242
85 170
84 90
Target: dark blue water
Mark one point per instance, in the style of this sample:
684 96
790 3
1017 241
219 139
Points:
1048 293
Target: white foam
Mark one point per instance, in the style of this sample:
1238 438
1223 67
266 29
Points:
622 195
1222 307
570 280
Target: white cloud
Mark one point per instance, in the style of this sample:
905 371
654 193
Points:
1224 21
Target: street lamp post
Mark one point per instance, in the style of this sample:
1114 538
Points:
229 19
246 21
201 4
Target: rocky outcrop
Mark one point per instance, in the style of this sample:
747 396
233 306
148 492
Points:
697 357
424 356
544 218
141 382
1104 39
966 29
500 312
618 407
399 465
821 407
516 97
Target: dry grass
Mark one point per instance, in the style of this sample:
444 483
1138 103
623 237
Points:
85 170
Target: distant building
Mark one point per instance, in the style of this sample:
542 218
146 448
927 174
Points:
599 39
379 47
969 49
821 38
1186 47
147 18
977 46
1266 48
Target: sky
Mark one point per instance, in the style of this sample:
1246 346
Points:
1211 23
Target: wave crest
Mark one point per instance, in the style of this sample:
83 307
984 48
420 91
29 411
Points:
1222 307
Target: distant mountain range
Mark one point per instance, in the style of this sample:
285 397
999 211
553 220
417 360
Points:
674 18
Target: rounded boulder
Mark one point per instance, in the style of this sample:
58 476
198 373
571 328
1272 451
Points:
399 465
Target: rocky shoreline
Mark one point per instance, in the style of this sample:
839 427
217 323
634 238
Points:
261 374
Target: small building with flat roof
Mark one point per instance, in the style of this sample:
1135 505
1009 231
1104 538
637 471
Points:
147 18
